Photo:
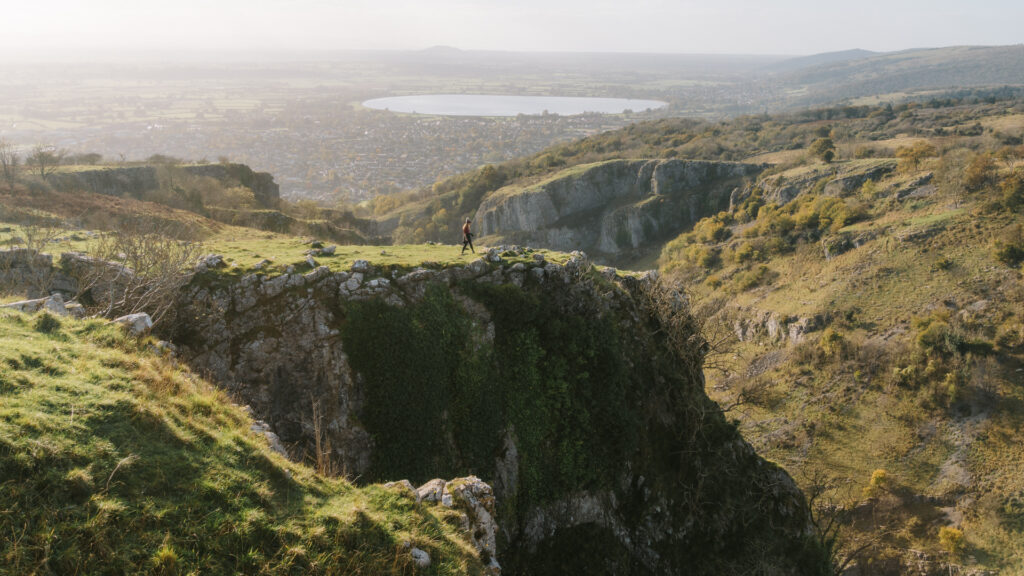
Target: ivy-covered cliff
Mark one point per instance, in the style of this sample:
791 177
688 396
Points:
576 393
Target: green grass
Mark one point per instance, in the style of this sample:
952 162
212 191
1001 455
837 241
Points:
244 247
848 413
116 460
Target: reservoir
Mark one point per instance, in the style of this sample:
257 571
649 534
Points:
492 105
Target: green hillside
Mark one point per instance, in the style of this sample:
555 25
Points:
866 315
116 459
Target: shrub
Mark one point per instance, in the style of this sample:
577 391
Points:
880 482
46 323
952 540
935 337
832 342
979 173
1012 189
1009 249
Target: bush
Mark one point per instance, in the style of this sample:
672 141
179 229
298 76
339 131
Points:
832 342
880 482
979 173
46 323
1009 249
1012 189
952 540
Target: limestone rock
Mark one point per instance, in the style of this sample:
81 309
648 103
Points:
210 262
403 486
138 324
432 491
420 558
262 428
54 304
476 499
613 206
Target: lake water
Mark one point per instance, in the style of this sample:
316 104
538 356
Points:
489 105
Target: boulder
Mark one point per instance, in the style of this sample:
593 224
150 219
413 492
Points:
432 491
476 499
138 324
54 304
420 558
210 262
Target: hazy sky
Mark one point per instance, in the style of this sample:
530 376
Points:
689 26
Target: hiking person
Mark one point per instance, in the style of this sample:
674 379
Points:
467 238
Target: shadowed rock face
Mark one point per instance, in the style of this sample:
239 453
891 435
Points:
137 180
614 207
552 383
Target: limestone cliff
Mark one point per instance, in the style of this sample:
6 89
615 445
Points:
556 384
136 181
611 208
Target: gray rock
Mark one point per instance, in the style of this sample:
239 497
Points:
432 491
420 558
613 206
361 266
54 304
476 499
477 267
262 428
354 281
311 262
210 262
328 250
138 324
403 486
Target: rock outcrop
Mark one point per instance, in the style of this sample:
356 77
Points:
135 181
552 382
613 207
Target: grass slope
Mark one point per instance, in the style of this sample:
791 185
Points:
114 460
914 368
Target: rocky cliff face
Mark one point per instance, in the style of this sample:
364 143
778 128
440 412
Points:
137 180
614 207
554 383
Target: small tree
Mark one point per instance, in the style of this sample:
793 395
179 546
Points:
8 162
911 156
139 268
824 149
44 160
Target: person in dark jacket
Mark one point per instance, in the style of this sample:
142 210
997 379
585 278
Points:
467 238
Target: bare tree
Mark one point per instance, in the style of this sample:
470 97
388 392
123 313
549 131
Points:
140 268
26 267
699 331
8 162
44 160
831 522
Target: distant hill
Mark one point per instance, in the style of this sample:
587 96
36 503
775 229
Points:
921 69
822 59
